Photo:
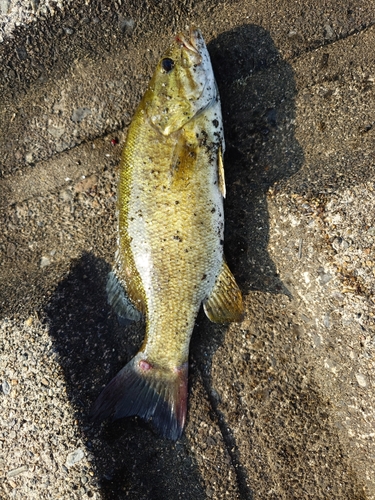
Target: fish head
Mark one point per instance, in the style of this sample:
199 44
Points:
183 84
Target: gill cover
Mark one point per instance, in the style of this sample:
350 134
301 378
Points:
183 84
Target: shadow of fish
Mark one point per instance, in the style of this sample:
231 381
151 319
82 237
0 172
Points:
170 238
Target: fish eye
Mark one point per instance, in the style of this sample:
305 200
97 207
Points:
167 64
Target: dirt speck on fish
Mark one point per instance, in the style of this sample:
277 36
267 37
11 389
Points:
170 257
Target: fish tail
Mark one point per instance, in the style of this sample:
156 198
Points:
154 394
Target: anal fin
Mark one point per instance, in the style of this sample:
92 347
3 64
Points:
120 302
224 304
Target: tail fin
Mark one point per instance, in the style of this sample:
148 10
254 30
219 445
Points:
155 394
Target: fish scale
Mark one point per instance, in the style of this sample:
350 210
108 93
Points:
171 232
169 256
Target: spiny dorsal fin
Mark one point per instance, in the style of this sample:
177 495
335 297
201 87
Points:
221 175
224 304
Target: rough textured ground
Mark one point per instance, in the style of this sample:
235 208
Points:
281 406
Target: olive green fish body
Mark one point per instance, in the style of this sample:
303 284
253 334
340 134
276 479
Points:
171 223
171 228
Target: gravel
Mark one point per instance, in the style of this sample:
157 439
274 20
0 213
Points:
35 446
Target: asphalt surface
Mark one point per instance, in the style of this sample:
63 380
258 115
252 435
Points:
281 406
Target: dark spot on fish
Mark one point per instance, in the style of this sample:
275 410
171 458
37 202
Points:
213 210
204 277
167 65
177 202
221 242
178 238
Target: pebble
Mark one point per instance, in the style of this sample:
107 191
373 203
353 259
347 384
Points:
324 277
126 24
29 158
66 195
4 6
16 472
55 131
74 457
62 146
361 379
326 320
80 113
86 184
44 262
29 321
5 387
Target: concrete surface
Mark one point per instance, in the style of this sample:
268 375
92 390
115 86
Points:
281 406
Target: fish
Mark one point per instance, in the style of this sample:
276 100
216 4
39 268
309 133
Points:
169 259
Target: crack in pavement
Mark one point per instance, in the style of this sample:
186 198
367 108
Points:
230 443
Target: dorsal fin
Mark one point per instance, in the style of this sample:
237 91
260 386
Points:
221 174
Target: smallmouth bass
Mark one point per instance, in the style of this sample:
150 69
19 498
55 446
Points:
170 257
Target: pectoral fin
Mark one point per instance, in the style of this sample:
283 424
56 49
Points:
224 304
184 157
119 300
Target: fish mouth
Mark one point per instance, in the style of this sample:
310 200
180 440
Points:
190 43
